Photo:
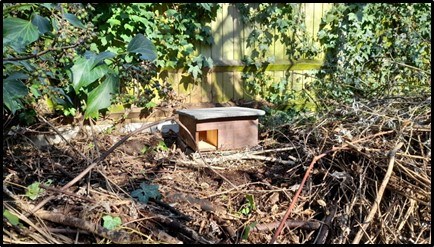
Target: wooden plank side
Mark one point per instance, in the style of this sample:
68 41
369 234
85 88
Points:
228 51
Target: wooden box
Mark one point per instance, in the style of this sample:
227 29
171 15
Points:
220 128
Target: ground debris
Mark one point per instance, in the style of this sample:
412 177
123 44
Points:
197 206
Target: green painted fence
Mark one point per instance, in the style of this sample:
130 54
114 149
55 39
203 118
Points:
223 82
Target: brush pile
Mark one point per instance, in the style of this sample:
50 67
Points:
370 182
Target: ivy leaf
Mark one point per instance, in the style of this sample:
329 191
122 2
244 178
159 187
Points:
209 63
195 70
13 90
206 6
101 57
42 23
140 44
145 192
83 72
74 20
111 222
18 33
101 96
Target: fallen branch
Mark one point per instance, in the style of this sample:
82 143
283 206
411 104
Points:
248 156
377 201
178 227
308 225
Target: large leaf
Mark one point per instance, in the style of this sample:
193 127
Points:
102 56
42 23
13 90
18 33
74 20
83 72
140 44
101 96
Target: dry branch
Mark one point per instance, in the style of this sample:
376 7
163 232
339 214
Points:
379 195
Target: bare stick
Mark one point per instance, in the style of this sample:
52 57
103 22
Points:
377 201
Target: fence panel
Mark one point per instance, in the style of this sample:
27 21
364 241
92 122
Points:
224 82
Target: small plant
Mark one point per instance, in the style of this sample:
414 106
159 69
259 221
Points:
248 207
162 146
247 230
110 222
34 191
145 192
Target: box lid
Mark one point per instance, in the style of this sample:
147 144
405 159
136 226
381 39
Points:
220 112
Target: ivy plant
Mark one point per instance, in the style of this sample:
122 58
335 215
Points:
272 22
176 29
375 50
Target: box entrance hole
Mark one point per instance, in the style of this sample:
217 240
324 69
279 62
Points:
208 140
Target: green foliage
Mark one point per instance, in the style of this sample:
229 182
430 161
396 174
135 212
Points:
46 56
247 230
34 191
12 218
145 192
283 22
160 147
110 222
375 50
248 207
176 29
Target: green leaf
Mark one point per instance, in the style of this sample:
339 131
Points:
73 20
150 105
162 146
100 97
42 23
195 71
145 192
140 44
12 218
248 229
206 6
113 22
33 191
111 222
18 33
101 57
83 72
13 90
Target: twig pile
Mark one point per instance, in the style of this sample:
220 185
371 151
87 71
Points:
358 141
361 173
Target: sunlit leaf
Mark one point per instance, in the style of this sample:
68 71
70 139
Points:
101 96
12 218
18 33
83 72
110 222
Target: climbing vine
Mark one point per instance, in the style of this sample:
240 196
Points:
176 29
284 22
374 50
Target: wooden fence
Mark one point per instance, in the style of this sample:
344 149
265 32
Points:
230 34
